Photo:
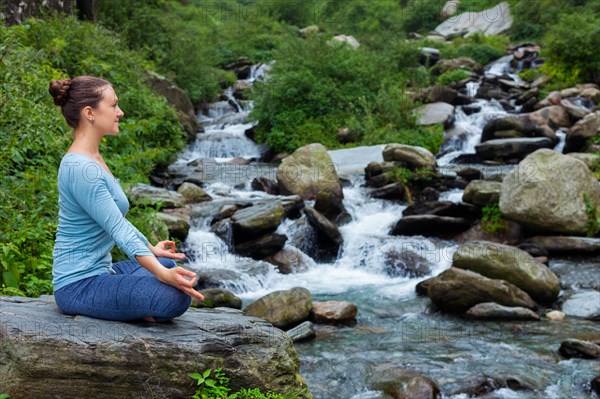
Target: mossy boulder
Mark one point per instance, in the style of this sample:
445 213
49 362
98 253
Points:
457 290
547 192
283 309
308 171
511 264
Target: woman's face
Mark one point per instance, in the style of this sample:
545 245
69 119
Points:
107 113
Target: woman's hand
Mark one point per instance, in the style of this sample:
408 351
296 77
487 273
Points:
176 277
166 249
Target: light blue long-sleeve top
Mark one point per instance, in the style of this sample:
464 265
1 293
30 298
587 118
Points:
91 219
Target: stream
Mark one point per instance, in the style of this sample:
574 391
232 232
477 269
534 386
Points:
394 325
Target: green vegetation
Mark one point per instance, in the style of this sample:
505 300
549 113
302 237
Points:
213 384
492 220
452 76
34 136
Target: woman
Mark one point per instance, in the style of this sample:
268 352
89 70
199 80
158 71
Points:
91 219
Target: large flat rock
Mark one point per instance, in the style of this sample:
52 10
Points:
46 354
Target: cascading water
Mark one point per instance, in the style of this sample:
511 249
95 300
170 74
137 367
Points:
395 326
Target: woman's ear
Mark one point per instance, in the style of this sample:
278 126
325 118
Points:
88 113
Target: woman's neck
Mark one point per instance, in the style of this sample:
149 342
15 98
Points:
86 141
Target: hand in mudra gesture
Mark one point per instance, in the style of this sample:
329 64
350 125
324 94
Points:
176 276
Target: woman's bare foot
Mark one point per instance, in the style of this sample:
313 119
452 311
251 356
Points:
150 319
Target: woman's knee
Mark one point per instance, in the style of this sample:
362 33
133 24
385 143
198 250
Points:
166 262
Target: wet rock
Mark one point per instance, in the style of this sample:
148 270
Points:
374 169
178 224
410 156
470 174
584 304
492 21
262 183
303 332
308 171
248 223
146 195
482 192
456 290
571 348
576 112
444 208
193 193
333 312
217 298
555 315
242 67
393 191
554 116
510 264
406 264
554 98
533 249
331 205
486 384
292 205
545 193
400 383
432 114
217 278
592 94
283 309
323 226
506 149
565 244
289 260
511 235
595 384
422 288
262 247
430 225
493 311
224 231
88 357
579 135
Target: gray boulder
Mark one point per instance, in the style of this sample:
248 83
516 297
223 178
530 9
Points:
217 298
577 348
400 383
510 264
283 309
302 332
516 148
434 113
409 156
456 290
584 304
579 135
144 194
333 312
492 21
493 311
546 191
563 244
482 192
250 222
193 193
308 171
178 223
81 357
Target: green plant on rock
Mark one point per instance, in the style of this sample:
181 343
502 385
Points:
492 220
211 388
452 76
410 178
593 217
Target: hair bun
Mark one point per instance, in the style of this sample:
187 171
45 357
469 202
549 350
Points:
59 90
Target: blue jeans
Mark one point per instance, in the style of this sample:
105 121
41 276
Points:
130 294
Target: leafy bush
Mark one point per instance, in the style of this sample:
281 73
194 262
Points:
34 136
452 76
571 49
492 220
